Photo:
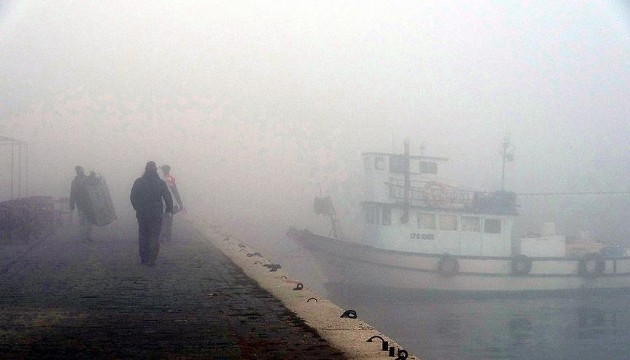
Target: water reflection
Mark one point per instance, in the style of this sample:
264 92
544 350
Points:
520 328
593 322
448 328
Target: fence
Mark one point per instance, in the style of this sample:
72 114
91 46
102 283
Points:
14 165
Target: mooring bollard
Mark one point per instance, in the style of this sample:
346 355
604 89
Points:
384 344
272 267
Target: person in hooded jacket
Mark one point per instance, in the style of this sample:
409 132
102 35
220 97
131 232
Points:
149 194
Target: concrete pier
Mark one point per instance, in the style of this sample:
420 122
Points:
205 298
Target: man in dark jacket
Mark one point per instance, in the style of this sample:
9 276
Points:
147 195
80 199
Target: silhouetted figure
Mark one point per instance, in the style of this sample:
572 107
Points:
148 195
80 199
167 221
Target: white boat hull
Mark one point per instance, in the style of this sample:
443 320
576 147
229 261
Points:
350 264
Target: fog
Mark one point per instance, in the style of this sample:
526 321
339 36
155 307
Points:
260 106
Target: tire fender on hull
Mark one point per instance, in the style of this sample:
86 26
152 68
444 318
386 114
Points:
448 265
521 265
591 265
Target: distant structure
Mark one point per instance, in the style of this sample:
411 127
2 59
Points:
14 162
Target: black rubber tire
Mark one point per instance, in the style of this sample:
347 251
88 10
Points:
591 265
448 265
521 265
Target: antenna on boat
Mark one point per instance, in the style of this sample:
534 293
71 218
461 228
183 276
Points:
508 155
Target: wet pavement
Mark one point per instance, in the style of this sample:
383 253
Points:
61 298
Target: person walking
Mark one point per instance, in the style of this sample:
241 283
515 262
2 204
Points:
149 195
167 221
80 199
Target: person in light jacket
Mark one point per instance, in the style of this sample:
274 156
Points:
167 221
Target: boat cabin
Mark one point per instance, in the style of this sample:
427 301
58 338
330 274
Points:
408 207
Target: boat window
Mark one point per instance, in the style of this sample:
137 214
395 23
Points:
426 221
471 223
448 222
394 188
398 164
371 213
367 162
386 215
492 226
379 163
428 167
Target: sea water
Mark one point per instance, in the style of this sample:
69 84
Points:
537 327
568 327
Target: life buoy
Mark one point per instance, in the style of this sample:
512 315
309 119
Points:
448 265
521 265
591 265
431 196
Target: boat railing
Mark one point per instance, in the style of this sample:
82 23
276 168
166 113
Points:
431 194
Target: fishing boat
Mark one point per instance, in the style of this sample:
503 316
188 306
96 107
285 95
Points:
420 234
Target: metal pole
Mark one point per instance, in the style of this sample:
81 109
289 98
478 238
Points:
507 156
503 171
12 158
405 218
26 170
19 177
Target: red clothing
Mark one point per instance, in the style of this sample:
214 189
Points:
170 181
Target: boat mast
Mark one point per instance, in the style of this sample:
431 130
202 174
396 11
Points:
405 218
508 155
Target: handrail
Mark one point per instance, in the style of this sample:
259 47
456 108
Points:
440 196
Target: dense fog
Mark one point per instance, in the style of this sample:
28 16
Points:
261 106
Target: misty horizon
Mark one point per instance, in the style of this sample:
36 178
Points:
259 108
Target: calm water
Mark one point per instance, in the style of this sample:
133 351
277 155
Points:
578 327
581 327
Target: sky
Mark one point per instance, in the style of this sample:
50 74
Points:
260 106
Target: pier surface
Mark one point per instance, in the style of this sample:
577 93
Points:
63 298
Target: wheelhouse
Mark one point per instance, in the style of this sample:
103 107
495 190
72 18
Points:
408 207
